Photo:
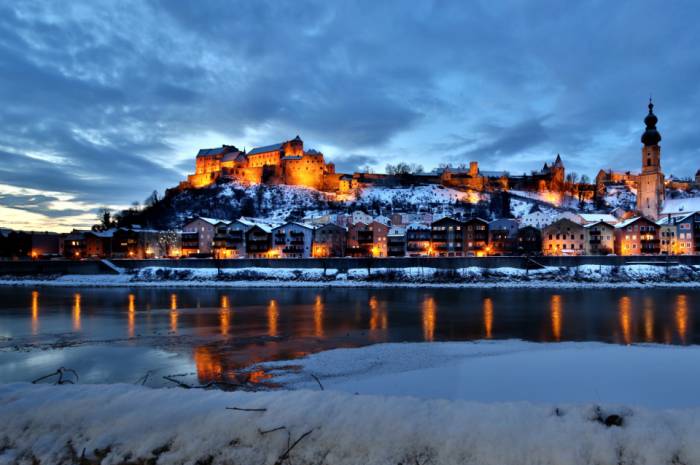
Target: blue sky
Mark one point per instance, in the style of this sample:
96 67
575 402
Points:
103 102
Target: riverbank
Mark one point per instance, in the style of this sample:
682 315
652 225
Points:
583 276
122 424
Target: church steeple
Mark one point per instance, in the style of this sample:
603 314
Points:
651 136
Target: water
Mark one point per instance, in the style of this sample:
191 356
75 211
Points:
119 335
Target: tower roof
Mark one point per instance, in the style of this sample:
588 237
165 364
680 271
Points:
651 136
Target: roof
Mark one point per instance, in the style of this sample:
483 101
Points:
679 206
212 221
418 226
589 225
266 148
382 219
493 174
598 217
396 231
627 222
674 219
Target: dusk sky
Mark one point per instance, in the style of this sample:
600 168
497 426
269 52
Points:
103 102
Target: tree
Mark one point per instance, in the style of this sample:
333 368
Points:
152 199
105 219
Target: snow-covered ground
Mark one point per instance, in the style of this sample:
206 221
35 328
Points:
637 275
505 371
122 424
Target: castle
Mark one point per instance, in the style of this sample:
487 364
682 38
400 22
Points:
282 163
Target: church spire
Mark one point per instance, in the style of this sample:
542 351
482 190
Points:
651 136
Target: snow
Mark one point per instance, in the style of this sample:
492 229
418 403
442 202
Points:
583 276
125 423
503 371
681 206
418 195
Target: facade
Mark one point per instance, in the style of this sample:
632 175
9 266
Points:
74 244
503 237
447 237
651 191
198 235
600 238
563 237
529 241
637 236
293 240
418 240
396 242
476 236
258 241
330 240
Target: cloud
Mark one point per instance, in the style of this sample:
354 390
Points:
97 94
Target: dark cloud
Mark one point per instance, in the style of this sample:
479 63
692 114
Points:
95 95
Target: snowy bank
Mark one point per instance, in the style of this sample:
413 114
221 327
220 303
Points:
650 375
120 424
637 275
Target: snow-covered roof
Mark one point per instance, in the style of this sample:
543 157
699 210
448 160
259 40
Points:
589 225
418 226
679 206
598 217
396 231
674 219
627 222
212 221
382 219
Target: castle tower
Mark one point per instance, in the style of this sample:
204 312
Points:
650 190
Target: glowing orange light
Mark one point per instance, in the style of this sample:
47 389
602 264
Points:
76 312
35 312
131 314
681 315
429 311
555 309
318 317
224 315
488 317
626 319
272 317
376 251
173 312
35 254
208 366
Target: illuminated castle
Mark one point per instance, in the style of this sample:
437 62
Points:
282 163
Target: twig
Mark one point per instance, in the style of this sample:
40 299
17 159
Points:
60 372
144 378
247 409
317 380
271 430
285 454
202 386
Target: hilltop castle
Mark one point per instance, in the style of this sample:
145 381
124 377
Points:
282 163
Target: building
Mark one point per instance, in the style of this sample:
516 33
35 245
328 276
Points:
396 242
651 191
447 237
563 237
198 235
529 241
418 240
600 238
680 235
476 236
293 240
330 240
74 244
538 219
98 244
258 241
637 236
32 244
503 237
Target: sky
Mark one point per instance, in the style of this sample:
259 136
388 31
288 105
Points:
104 102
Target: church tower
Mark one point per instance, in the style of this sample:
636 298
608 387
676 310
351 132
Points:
650 189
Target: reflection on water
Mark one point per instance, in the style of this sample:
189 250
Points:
173 313
682 316
224 315
428 318
555 311
131 320
272 316
626 319
35 312
76 312
488 317
286 323
318 317
648 319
